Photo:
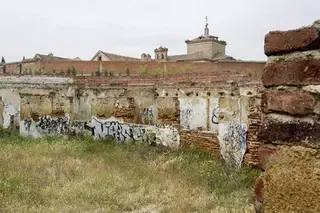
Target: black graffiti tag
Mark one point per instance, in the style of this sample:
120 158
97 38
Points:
215 116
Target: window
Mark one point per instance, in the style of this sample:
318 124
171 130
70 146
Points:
99 58
162 56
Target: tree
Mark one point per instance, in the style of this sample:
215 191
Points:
73 71
2 60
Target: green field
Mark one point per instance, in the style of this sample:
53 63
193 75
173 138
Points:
81 175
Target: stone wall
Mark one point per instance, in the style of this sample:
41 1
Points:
212 115
290 130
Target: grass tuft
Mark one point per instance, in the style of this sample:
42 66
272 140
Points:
54 174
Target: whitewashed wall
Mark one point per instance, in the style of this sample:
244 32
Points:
193 113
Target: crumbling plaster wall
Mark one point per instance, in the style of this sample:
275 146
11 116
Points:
206 117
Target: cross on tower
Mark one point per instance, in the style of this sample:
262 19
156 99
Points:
206 30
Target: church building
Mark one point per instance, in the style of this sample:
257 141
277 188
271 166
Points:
205 48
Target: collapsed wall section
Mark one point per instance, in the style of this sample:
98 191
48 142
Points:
207 113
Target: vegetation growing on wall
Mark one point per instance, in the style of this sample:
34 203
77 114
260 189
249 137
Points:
126 71
144 70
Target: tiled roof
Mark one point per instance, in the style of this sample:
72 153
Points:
49 57
115 57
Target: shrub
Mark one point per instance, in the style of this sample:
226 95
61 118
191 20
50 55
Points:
127 71
98 73
73 71
68 71
144 70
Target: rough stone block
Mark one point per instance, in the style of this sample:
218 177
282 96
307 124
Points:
278 42
266 156
258 195
294 103
292 184
304 72
291 132
258 190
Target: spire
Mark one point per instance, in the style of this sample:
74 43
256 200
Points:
206 30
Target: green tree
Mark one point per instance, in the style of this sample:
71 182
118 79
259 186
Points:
68 71
73 71
144 70
127 71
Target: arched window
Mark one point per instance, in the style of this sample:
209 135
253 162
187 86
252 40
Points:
162 56
157 56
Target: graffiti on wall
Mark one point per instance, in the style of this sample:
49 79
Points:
147 115
194 113
100 129
215 115
124 132
46 125
233 142
10 115
119 131
185 117
214 112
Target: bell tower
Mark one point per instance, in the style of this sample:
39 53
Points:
161 54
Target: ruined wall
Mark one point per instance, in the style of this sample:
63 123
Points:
290 130
207 114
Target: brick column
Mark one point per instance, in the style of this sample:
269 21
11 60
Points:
254 122
290 130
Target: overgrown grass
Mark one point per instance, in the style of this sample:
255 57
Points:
82 175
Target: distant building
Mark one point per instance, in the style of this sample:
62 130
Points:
105 56
145 57
50 56
205 48
29 65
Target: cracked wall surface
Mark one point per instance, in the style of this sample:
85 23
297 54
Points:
209 116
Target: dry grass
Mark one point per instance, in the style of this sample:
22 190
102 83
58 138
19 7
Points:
81 175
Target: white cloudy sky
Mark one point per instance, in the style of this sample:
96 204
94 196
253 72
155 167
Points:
72 28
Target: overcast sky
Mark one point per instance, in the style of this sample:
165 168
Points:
79 28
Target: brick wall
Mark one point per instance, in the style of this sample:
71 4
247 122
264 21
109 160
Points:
290 129
202 140
153 68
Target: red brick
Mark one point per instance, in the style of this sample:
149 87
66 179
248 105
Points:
294 103
259 190
265 156
303 72
278 42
